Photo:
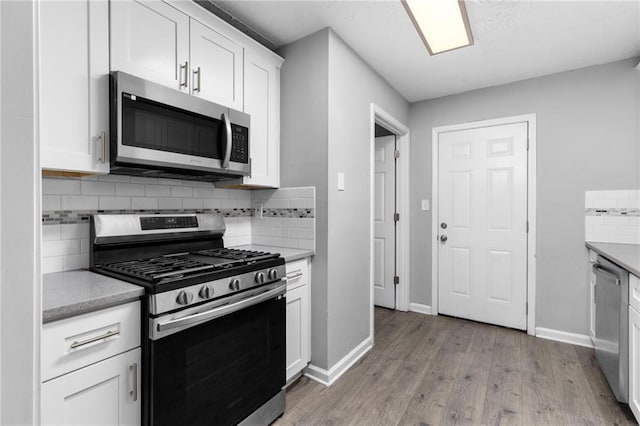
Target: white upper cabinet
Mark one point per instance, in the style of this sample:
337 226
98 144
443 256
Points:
150 39
262 102
216 67
74 85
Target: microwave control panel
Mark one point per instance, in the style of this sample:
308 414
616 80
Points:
239 144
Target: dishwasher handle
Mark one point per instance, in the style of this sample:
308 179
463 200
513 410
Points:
606 272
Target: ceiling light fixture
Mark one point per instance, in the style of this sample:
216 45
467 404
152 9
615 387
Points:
443 25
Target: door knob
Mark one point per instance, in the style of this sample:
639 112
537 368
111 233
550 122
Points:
443 238
443 225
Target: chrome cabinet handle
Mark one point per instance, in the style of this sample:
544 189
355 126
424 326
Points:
133 370
102 141
184 73
196 75
227 149
295 274
77 344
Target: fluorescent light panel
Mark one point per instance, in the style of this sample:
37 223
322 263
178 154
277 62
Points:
443 25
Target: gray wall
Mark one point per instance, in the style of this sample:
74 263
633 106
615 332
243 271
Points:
303 148
353 86
587 139
20 309
327 91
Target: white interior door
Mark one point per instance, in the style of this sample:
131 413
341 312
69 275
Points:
482 214
384 226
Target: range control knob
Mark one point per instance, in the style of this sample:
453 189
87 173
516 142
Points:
260 277
206 291
184 298
273 274
234 284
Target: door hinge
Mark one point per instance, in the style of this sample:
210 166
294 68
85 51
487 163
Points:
396 280
527 144
526 308
527 227
396 217
396 154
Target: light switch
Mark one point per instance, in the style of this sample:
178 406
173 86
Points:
425 205
340 181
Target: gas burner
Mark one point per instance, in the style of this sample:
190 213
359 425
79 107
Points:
237 255
157 268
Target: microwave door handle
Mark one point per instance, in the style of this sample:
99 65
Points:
227 149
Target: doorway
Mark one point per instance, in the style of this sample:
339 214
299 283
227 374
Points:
397 265
384 214
483 251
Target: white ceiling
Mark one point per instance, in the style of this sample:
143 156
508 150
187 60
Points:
514 40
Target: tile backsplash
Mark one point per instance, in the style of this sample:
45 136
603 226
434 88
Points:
284 217
67 204
612 216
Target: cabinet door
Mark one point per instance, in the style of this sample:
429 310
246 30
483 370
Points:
262 102
105 393
74 85
150 40
634 362
297 330
216 67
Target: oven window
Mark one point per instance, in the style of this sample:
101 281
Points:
219 372
148 124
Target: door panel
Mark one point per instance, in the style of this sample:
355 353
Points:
219 62
150 39
483 200
384 225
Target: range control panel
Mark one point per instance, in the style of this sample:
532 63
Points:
149 223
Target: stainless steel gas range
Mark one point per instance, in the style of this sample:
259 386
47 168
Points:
214 318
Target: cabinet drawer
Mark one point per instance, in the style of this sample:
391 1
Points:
634 292
78 341
297 273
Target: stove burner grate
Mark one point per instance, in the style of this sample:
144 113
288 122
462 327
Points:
158 267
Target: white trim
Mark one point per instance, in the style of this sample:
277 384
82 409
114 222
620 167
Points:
420 308
531 207
564 337
329 377
403 244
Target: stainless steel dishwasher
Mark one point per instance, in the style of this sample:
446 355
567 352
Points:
612 325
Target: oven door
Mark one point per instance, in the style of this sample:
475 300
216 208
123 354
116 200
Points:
220 365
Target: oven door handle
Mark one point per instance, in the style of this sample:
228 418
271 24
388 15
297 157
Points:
220 311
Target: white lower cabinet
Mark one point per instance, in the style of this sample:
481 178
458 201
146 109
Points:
91 368
298 317
634 350
105 393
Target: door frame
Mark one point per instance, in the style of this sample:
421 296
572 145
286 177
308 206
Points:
530 119
386 120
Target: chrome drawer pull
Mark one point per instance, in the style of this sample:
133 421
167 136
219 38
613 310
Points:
295 275
133 369
106 335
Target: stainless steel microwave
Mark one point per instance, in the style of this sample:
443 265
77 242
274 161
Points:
157 131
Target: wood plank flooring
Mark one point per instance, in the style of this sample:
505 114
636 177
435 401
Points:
437 370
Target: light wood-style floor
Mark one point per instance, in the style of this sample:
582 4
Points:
432 370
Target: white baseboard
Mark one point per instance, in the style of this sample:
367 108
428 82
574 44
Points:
420 308
329 377
565 337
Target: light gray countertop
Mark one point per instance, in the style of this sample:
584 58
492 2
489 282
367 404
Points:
624 255
289 254
65 294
